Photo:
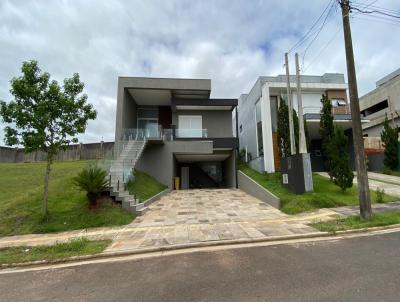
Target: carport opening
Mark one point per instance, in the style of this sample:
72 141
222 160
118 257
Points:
200 171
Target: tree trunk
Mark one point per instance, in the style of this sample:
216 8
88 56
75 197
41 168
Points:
46 188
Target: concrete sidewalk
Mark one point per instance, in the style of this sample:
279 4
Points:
187 218
389 183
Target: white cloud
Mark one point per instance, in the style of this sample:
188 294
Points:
231 42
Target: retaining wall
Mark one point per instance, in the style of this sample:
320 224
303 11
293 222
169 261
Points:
251 187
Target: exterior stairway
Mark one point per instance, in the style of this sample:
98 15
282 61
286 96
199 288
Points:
121 171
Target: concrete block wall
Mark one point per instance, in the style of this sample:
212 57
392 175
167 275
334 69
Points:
102 150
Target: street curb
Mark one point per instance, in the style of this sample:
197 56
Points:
199 245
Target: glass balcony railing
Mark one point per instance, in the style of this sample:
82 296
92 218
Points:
191 133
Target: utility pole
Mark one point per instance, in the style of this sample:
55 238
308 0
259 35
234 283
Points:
302 136
362 177
290 108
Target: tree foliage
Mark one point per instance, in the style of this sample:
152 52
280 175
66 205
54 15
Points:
337 151
283 129
43 115
389 136
326 129
284 132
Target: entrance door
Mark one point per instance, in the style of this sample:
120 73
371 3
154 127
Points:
185 178
149 126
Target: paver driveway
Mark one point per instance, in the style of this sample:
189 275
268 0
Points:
192 216
207 206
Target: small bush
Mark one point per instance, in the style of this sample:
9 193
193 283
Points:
387 170
380 195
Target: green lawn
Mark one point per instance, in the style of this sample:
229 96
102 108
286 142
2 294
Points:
77 247
355 222
325 195
392 172
21 196
144 186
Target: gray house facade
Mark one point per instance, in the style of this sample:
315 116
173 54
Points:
175 130
383 101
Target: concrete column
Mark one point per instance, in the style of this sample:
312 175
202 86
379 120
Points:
269 164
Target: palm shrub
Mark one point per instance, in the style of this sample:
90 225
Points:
92 180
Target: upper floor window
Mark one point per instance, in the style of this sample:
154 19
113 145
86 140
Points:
190 126
338 102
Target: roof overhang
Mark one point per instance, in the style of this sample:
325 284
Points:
313 123
160 91
207 104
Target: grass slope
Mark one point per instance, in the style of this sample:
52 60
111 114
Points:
144 186
77 247
325 195
356 222
21 194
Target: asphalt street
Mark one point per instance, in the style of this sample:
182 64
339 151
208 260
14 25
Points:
356 269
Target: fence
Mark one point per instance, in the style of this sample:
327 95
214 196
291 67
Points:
102 150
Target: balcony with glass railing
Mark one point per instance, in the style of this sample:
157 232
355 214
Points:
191 133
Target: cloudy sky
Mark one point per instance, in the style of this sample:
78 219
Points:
231 42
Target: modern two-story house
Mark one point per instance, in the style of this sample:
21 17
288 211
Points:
258 116
171 128
381 102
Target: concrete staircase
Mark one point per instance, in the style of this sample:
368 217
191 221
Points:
121 171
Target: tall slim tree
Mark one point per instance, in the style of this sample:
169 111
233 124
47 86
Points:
326 129
45 116
389 136
337 149
283 129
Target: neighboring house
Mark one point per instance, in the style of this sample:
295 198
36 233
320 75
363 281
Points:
383 100
171 128
257 116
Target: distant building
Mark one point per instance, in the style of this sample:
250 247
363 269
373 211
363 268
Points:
257 116
383 100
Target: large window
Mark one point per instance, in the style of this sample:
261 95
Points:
259 129
147 121
190 126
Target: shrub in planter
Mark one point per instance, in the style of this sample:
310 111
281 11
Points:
92 180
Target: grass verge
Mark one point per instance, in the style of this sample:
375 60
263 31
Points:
325 195
144 186
21 193
78 247
356 222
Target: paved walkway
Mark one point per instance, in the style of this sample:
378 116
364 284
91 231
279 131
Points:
390 183
199 216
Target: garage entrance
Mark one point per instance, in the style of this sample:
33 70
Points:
200 171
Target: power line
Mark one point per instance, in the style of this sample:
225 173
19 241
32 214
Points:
319 31
377 20
306 36
322 50
374 11
333 37
364 6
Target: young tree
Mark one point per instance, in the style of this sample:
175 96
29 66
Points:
44 116
283 129
296 130
326 129
337 150
389 138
